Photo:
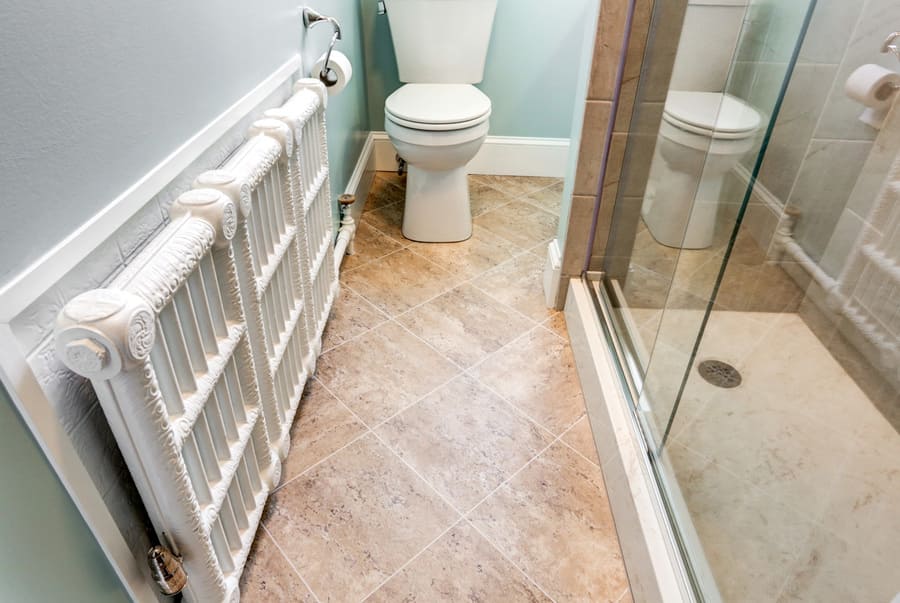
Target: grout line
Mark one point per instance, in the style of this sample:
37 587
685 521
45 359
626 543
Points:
508 559
290 563
575 450
413 558
393 416
624 592
329 456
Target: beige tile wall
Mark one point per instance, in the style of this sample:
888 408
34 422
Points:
635 128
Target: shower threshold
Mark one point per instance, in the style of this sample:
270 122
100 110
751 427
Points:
653 557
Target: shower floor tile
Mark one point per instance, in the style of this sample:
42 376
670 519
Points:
442 452
797 461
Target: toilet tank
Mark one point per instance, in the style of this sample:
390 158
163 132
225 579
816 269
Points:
441 41
709 37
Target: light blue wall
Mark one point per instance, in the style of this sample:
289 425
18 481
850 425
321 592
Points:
348 120
48 553
97 93
532 67
579 99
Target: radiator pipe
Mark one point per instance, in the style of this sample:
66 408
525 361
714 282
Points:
344 244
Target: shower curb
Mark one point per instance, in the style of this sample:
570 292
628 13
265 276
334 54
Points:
652 560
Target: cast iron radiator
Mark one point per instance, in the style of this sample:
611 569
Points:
200 349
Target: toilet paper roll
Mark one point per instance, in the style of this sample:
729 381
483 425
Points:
342 69
873 85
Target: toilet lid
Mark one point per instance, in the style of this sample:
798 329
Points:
722 115
438 103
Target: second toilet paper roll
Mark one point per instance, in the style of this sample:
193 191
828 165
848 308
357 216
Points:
342 69
873 86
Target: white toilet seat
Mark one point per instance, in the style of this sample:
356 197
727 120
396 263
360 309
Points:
713 115
438 107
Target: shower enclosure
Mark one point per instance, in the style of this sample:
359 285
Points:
762 363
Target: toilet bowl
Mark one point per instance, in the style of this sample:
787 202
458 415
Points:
702 137
438 120
437 129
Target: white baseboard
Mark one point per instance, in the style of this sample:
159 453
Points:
554 297
500 155
361 179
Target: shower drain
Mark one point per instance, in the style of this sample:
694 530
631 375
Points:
720 374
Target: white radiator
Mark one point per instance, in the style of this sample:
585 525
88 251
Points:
199 351
869 285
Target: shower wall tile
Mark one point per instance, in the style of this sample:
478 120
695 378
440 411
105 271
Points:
593 134
802 107
579 231
610 31
878 19
610 28
635 127
665 34
823 187
848 228
830 29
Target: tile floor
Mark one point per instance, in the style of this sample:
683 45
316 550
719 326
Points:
792 479
665 277
442 452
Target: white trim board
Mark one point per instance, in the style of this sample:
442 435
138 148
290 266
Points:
25 287
19 379
361 179
500 155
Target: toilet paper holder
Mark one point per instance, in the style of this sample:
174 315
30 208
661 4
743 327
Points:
890 45
310 17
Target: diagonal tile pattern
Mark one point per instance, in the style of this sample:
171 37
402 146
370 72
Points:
442 452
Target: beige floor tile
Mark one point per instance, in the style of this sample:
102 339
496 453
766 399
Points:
518 283
484 198
520 223
369 244
268 577
465 324
392 177
516 186
354 520
468 259
322 426
553 521
461 566
537 374
832 569
749 541
351 316
400 281
581 438
464 440
548 199
389 220
386 190
381 372
557 324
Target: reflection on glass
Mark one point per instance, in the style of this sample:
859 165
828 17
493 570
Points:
759 226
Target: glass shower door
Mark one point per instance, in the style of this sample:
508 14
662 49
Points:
763 360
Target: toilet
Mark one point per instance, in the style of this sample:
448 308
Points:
438 120
702 137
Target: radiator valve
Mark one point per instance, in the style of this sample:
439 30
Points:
167 570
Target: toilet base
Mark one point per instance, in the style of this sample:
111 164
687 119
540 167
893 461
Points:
437 206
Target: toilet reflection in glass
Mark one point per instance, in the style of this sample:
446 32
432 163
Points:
704 132
438 120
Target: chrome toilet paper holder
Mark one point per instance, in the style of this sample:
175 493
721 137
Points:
890 45
310 17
